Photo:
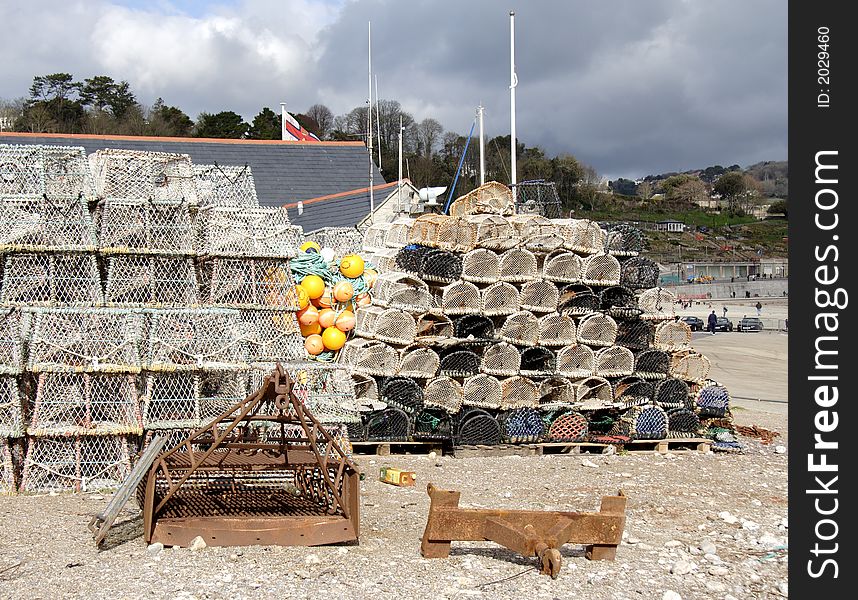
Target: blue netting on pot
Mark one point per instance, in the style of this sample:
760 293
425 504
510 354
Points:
647 423
713 400
522 425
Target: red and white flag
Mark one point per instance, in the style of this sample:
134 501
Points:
292 130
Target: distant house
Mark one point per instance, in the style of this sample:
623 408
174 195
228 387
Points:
670 225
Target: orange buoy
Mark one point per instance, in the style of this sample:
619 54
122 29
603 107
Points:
345 321
370 275
327 316
343 291
314 345
326 300
308 330
333 338
313 285
308 316
363 299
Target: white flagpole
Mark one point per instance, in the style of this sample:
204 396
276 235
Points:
282 120
369 122
378 124
482 148
399 196
513 82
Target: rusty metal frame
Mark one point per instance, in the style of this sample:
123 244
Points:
233 484
531 533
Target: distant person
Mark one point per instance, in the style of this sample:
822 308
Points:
747 294
759 308
725 311
711 321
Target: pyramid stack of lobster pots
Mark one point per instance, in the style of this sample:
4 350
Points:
488 326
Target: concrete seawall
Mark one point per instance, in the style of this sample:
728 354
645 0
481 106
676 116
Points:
721 289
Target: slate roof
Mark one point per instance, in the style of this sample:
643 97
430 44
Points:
345 209
284 172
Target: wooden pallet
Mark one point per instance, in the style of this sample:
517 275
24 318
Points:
388 448
482 450
670 445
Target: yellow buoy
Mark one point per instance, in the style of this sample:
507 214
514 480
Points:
351 266
313 285
333 338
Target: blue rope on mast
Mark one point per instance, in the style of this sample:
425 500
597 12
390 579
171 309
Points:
450 196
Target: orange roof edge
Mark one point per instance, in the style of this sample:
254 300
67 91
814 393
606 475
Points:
340 195
149 138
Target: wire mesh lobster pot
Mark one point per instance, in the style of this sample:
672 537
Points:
12 321
521 328
151 281
325 389
11 407
492 198
646 423
519 392
538 361
635 334
522 425
474 329
131 226
582 236
403 393
536 232
444 393
460 298
639 273
51 279
247 283
391 325
562 267
657 304
477 427
576 360
600 269
388 425
373 237
94 339
431 327
577 300
398 233
568 427
263 232
224 185
271 335
482 390
481 266
537 197
44 224
614 361
459 361
32 171
419 362
672 335
408 259
652 364
620 302
493 232
76 463
597 330
712 400
689 366
593 393
8 474
500 298
501 359
366 394
222 390
556 393
188 339
172 401
518 265
682 422
672 393
440 266
624 240
443 232
342 240
557 330
539 296
370 357
136 174
387 259
633 391
433 424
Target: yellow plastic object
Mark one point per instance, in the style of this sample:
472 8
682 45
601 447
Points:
313 285
397 477
310 246
352 266
333 338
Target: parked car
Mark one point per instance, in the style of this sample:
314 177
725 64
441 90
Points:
723 324
694 323
749 324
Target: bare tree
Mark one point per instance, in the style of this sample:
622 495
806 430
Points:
323 117
10 112
644 190
428 135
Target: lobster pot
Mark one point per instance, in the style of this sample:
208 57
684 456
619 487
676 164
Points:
597 330
426 230
134 226
518 265
537 198
493 232
247 283
689 366
521 328
492 198
593 393
95 339
85 404
482 390
30 171
577 300
624 240
387 259
682 422
620 302
398 233
473 328
400 290
459 361
325 389
519 392
151 281
366 319
373 237
633 391
192 339
460 298
635 334
539 296
657 304
614 361
712 400
499 299
440 266
366 393
501 359
444 393
51 279
576 361
652 364
639 273
271 335
44 224
443 232
568 427
600 269
76 463
136 174
172 401
671 393
522 425
481 266
224 185
408 259
582 236
477 427
562 267
11 341
403 393
538 361
433 424
8 480
393 326
263 232
419 362
557 330
556 393
222 390
342 240
536 232
432 327
672 335
11 408
370 358
388 425
646 423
